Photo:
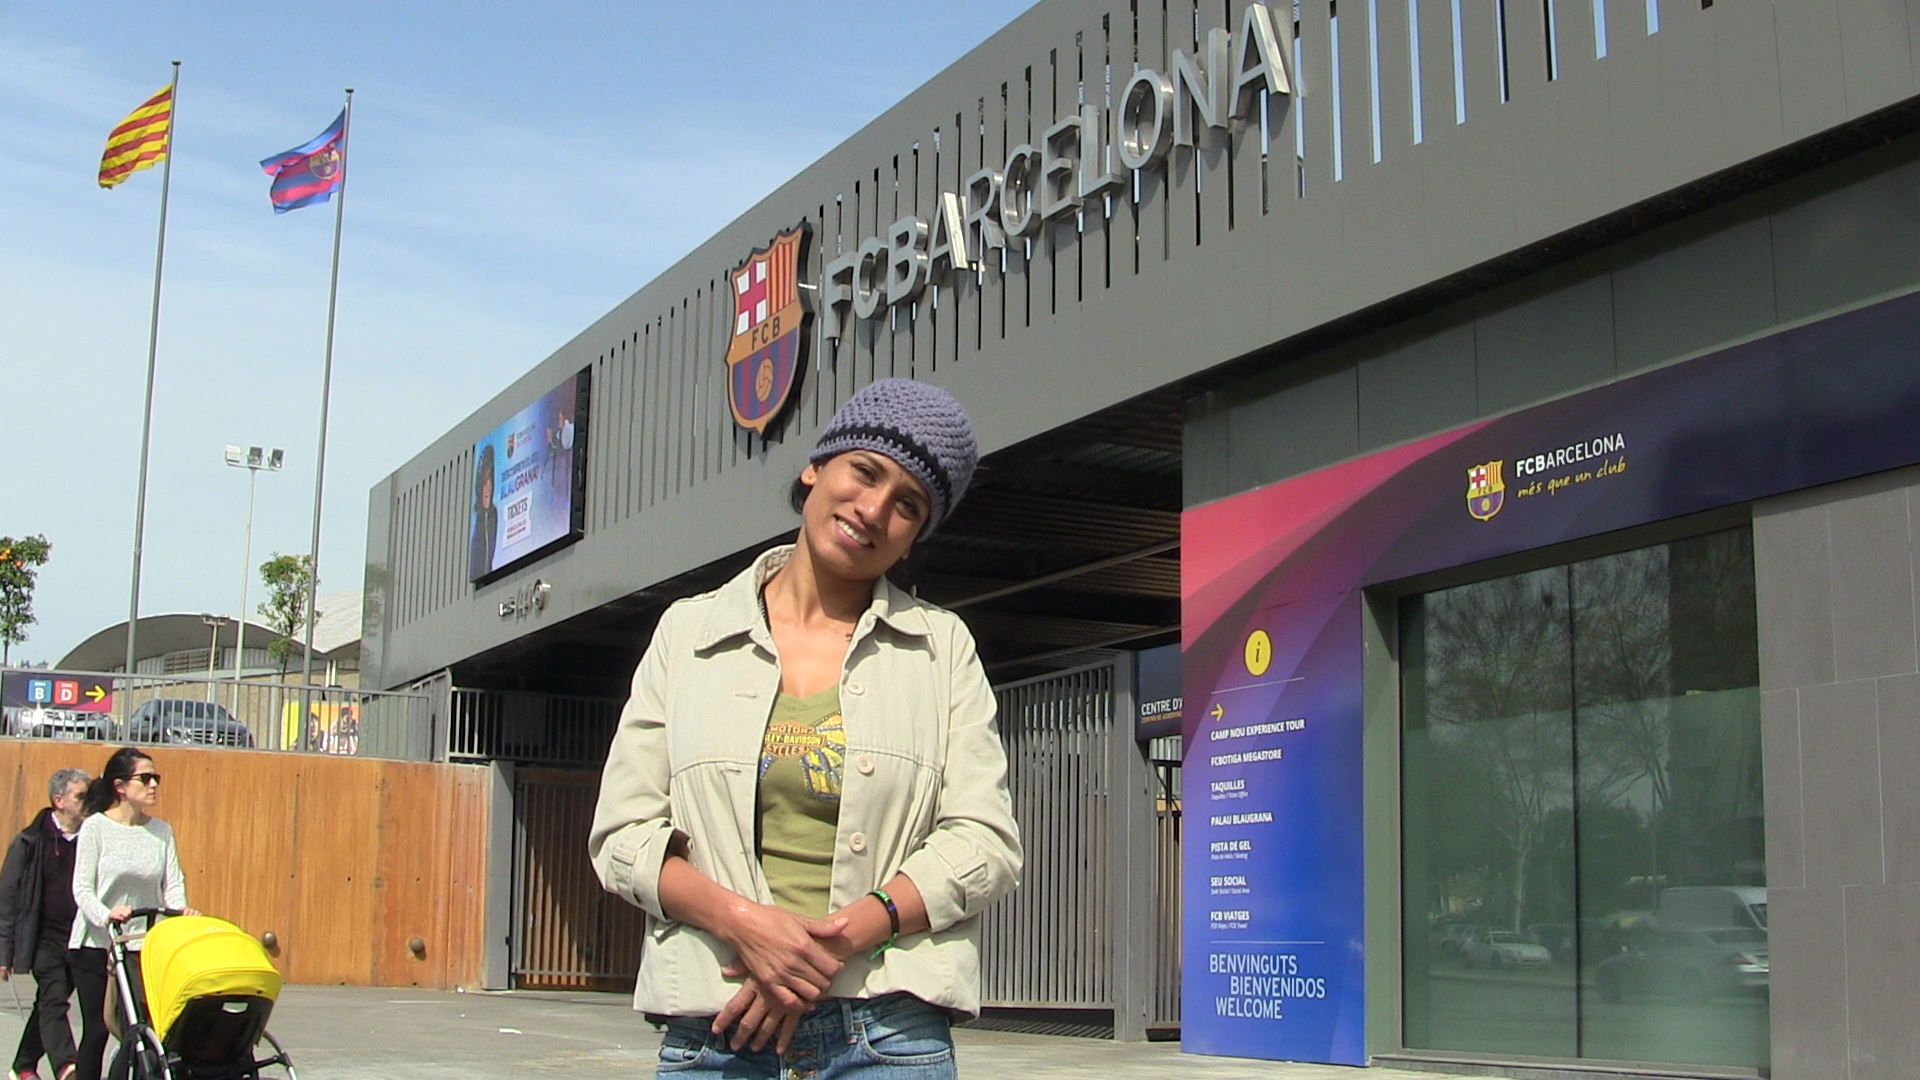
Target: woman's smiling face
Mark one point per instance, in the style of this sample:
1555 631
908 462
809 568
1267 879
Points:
862 514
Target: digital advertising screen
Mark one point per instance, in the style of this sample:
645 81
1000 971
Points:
529 482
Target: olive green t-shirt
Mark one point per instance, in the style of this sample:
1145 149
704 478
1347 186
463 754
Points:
800 766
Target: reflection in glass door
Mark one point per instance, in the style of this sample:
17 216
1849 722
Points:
1584 860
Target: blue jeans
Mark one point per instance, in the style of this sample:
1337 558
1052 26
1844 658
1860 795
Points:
896 1037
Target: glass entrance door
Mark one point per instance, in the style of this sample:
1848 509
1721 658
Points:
1583 846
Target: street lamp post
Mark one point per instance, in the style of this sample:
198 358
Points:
253 459
214 623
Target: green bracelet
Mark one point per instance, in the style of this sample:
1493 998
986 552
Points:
893 919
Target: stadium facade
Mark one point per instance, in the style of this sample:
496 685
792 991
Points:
1509 411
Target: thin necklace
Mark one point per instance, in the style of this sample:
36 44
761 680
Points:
768 619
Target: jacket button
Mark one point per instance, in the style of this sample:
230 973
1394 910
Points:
855 688
857 842
864 764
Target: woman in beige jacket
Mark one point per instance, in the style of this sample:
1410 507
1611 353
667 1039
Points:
807 793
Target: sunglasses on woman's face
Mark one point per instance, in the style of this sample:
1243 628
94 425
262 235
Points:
145 777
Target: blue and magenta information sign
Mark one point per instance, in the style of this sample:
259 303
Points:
1271 592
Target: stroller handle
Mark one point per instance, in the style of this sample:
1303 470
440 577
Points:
152 913
147 913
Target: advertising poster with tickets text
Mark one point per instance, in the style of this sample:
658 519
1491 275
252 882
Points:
525 499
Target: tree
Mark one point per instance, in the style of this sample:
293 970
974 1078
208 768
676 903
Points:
1499 693
287 578
20 561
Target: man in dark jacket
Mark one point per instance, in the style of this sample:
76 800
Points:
36 914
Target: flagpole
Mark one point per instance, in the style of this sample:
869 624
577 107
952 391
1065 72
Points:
146 414
326 391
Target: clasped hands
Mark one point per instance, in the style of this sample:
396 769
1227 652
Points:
787 961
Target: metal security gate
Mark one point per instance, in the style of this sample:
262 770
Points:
1046 944
568 933
1095 924
530 728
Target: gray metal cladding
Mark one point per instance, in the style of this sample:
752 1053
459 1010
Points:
1427 137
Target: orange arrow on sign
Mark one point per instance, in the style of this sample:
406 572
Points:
1219 711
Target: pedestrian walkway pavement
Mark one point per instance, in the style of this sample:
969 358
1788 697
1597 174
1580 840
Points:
363 1033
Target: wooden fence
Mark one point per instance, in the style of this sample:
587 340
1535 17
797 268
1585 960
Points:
345 860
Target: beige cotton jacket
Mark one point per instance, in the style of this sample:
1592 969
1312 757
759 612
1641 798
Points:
924 788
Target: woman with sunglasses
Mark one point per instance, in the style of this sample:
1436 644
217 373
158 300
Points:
124 859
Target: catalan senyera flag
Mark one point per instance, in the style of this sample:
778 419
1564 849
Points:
140 141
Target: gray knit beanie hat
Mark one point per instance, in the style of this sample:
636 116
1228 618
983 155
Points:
919 426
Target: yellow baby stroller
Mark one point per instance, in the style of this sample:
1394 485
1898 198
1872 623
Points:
209 990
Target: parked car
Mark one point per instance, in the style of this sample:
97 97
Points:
1708 907
185 722
45 723
1556 937
1458 934
1505 949
1693 966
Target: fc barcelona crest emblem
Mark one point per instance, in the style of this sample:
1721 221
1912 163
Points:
1486 492
325 164
765 355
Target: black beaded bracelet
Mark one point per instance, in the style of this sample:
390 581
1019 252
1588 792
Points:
893 919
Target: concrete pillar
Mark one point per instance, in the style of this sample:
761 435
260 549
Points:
1840 731
497 959
1130 863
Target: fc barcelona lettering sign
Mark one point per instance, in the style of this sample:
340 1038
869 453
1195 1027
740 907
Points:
766 354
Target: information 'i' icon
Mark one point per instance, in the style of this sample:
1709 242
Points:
1259 653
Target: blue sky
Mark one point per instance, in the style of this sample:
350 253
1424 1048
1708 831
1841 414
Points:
516 170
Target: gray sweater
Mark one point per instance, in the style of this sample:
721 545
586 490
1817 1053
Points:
116 864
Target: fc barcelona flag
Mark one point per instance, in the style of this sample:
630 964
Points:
311 172
140 141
